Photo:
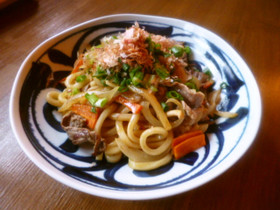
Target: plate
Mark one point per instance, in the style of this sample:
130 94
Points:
37 128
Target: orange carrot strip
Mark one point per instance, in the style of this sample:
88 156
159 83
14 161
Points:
208 84
134 107
62 80
185 136
189 145
85 111
77 65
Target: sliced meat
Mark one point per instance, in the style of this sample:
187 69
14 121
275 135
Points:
73 120
99 146
193 116
77 131
202 77
191 97
80 135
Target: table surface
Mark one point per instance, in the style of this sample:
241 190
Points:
251 27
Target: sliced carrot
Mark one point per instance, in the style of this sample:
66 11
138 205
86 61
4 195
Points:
189 145
208 84
185 136
134 107
84 110
62 80
77 65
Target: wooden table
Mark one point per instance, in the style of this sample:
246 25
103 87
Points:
251 27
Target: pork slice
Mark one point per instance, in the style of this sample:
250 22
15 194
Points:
80 135
193 116
191 97
202 77
77 131
73 120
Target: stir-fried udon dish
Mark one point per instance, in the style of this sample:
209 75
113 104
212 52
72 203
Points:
137 95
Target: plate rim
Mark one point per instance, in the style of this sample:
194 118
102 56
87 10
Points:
36 158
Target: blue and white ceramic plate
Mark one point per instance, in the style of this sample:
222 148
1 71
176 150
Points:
37 127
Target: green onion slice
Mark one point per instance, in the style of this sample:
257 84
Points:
177 51
93 109
101 102
224 85
188 50
75 91
92 98
125 66
192 85
174 94
162 72
164 106
208 72
81 78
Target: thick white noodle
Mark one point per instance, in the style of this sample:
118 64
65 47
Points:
52 98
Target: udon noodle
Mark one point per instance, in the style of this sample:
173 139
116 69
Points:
132 95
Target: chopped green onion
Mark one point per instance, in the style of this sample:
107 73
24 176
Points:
103 82
123 89
117 78
95 101
93 109
123 86
208 72
114 37
125 66
166 55
162 72
224 85
153 88
150 43
174 94
138 77
192 85
98 46
153 47
75 91
177 51
100 73
133 71
127 81
92 98
101 102
123 82
136 81
157 45
187 49
164 106
81 78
